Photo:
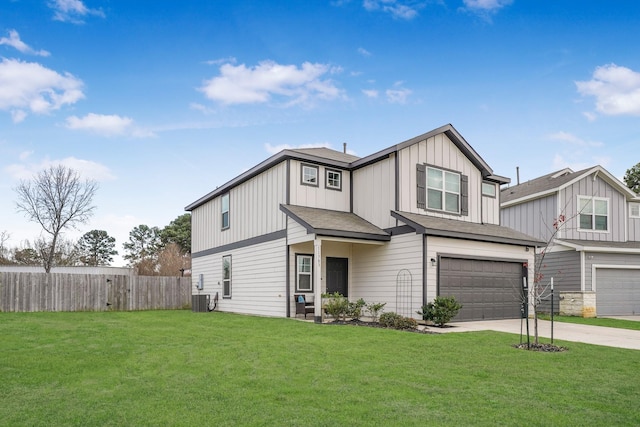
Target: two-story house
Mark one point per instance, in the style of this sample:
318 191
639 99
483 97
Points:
401 226
591 222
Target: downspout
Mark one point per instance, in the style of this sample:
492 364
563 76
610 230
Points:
425 269
287 290
397 184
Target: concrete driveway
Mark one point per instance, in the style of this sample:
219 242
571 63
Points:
598 335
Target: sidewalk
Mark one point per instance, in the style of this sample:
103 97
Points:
598 335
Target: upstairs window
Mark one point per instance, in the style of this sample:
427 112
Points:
593 213
333 179
488 189
224 211
634 210
443 190
309 175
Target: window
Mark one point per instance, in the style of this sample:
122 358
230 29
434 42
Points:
333 179
443 190
310 175
488 189
304 273
593 213
226 276
634 210
224 209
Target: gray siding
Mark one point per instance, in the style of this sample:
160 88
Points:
634 229
587 187
564 268
532 218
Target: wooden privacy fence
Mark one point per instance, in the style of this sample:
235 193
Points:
91 292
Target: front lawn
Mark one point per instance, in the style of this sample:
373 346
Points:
166 368
596 321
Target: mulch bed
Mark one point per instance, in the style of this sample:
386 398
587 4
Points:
543 347
378 325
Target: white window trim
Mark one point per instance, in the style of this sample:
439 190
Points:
495 192
302 174
631 206
593 214
298 273
443 190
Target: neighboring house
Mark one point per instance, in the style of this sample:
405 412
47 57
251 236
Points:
401 226
596 251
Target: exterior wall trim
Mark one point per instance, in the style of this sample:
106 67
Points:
276 235
609 266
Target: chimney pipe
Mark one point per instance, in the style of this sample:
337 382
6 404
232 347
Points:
344 147
518 174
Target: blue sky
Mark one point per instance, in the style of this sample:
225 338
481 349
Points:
161 102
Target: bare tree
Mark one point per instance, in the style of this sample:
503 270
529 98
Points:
56 198
4 251
173 261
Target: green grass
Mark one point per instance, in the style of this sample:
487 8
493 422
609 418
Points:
596 321
172 368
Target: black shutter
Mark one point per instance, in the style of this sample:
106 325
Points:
464 195
421 179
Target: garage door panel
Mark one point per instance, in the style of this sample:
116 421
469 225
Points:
486 289
617 292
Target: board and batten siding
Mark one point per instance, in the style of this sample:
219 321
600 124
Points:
481 250
374 192
320 196
491 208
254 210
587 187
258 278
376 268
634 229
531 218
437 151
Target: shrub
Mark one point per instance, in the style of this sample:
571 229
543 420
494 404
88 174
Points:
336 305
396 321
441 310
375 309
355 309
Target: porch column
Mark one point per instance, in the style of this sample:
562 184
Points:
318 287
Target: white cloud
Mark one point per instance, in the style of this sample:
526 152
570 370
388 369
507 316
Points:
300 85
403 9
72 11
30 86
484 8
14 41
106 125
370 93
399 94
616 89
229 60
364 52
560 162
86 168
574 140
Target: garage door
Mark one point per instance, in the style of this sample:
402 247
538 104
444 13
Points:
487 289
617 292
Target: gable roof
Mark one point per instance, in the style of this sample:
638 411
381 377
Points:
600 246
332 158
327 222
443 227
554 182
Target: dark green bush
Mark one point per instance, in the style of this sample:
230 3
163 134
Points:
396 321
354 309
336 305
441 310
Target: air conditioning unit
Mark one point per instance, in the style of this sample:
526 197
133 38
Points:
199 303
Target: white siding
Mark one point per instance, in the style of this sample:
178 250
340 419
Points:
254 211
258 278
297 233
491 210
375 271
438 151
441 245
374 192
634 229
320 196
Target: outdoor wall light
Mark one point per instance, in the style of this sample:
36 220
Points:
433 262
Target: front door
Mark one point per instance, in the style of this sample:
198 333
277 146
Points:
337 275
